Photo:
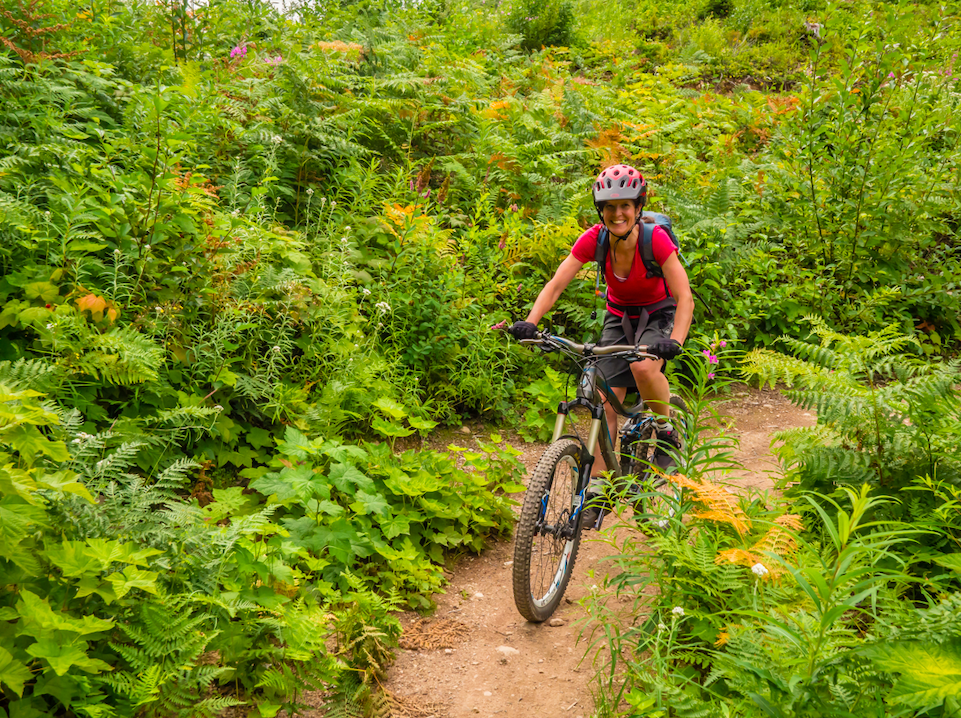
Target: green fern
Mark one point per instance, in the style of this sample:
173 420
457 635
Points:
884 416
165 674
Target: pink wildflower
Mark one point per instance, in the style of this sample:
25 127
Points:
239 51
711 375
722 344
706 352
712 359
513 208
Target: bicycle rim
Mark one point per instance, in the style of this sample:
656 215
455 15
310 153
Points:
548 532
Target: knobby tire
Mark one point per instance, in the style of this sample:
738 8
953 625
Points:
547 537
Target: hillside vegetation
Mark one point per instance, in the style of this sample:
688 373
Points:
245 255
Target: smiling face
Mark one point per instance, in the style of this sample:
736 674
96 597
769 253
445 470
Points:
619 215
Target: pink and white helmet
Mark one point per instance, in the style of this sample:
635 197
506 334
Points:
619 182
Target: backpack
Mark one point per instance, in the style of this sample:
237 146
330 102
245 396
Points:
647 245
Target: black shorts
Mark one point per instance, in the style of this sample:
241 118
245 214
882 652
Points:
616 371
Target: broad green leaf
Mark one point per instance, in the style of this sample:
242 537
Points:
268 710
62 657
106 551
402 484
421 424
296 444
930 672
370 504
131 578
65 481
72 559
44 291
13 673
228 502
327 507
343 476
259 438
390 428
29 441
39 619
391 407
81 245
92 584
394 526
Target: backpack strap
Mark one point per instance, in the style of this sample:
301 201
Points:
602 248
643 315
647 251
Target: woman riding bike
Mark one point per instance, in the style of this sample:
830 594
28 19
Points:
653 311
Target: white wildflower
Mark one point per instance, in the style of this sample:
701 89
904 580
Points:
146 247
75 441
678 611
236 213
276 139
50 326
759 570
310 191
116 252
663 524
382 307
365 291
218 407
661 627
276 348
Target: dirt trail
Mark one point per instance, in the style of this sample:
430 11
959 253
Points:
498 664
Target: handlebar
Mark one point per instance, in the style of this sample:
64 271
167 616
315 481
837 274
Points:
551 342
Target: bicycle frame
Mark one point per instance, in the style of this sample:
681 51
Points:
598 436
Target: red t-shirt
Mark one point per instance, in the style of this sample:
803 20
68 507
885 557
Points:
637 289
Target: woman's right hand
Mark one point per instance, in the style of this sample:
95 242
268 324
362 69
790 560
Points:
523 330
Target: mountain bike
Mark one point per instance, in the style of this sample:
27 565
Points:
549 528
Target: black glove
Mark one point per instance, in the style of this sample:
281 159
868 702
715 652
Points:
666 348
523 330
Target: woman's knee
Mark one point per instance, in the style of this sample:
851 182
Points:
647 371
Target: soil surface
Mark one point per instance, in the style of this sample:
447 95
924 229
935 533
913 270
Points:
497 664
476 656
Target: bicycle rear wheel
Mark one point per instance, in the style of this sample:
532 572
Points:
548 532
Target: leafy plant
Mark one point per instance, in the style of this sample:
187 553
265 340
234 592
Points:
884 416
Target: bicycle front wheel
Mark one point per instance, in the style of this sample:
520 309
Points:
548 532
